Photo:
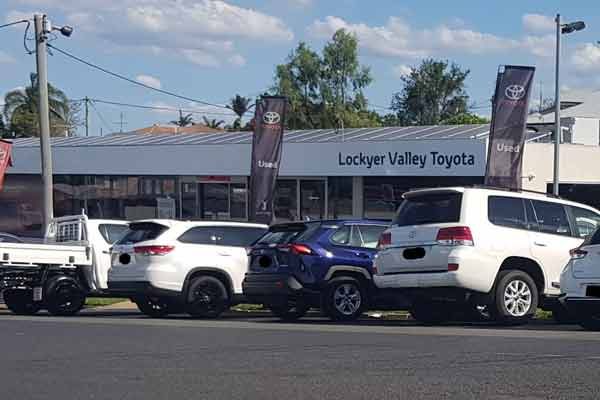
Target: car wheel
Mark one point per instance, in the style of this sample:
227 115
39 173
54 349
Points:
154 307
430 312
515 299
21 302
207 297
591 323
345 299
290 311
64 297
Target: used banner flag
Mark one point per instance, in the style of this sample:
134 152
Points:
5 159
507 130
269 119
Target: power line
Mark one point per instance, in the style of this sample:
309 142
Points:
160 108
23 21
106 125
114 74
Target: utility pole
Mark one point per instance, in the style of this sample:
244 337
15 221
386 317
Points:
44 116
557 130
121 122
87 116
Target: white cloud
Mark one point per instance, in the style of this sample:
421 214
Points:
205 32
149 80
401 70
538 23
301 3
6 58
398 39
237 60
586 57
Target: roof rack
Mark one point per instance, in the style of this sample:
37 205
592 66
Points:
517 190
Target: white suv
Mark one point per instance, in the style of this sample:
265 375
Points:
169 266
467 249
580 283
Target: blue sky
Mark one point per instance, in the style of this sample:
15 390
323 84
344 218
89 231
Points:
211 50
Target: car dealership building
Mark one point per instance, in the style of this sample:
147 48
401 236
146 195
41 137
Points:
324 173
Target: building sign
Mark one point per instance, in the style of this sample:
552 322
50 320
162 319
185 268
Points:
407 158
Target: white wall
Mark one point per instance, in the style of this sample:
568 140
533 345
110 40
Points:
586 131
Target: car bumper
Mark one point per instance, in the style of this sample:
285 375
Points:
416 280
581 306
137 288
273 288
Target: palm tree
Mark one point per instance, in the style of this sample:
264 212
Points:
21 110
240 106
184 120
213 123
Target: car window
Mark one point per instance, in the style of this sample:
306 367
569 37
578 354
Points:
237 236
585 221
199 235
530 216
142 231
507 211
429 209
112 232
9 239
551 218
370 235
342 236
287 233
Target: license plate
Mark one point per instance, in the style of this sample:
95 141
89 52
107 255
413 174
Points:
37 293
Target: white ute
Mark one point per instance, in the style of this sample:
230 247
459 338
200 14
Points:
57 274
580 283
169 266
493 250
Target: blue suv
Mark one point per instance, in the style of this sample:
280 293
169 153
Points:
322 264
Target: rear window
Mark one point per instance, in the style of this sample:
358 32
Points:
234 236
142 231
593 238
112 232
507 211
429 209
284 234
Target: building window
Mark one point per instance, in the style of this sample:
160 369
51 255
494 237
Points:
285 202
340 197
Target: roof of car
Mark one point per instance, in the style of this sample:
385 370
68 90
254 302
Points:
364 221
171 223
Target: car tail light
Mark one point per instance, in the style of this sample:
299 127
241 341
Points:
300 249
385 239
452 267
153 250
577 253
455 236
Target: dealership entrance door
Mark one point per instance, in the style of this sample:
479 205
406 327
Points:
213 201
312 199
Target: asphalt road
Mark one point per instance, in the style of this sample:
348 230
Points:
122 355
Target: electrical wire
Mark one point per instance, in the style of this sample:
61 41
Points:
22 21
106 125
116 75
27 49
159 108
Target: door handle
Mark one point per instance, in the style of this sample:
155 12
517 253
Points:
105 252
225 254
540 244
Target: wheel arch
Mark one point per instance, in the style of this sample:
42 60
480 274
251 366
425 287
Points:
528 266
337 271
218 273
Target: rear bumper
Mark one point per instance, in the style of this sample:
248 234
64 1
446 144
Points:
581 306
273 288
416 280
139 288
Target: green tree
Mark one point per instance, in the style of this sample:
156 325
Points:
432 93
465 119
240 106
213 123
21 111
183 120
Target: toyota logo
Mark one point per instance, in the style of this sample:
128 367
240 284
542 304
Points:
271 118
514 92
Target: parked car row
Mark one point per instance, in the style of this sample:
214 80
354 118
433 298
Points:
449 253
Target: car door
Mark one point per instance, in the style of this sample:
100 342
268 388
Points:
103 239
552 240
585 223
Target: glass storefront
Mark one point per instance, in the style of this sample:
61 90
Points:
340 197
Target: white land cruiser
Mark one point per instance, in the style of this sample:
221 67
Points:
169 266
580 283
478 248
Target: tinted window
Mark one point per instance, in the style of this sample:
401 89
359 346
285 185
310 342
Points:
9 239
342 236
370 235
199 235
112 232
551 218
142 231
585 221
237 236
429 209
283 234
593 239
506 211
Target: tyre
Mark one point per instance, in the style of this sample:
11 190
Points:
64 297
289 312
515 298
561 315
207 297
21 302
591 323
154 307
430 312
345 299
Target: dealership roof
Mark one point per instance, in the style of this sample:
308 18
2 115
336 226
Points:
385 134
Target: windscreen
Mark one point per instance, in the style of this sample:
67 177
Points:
142 231
429 209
